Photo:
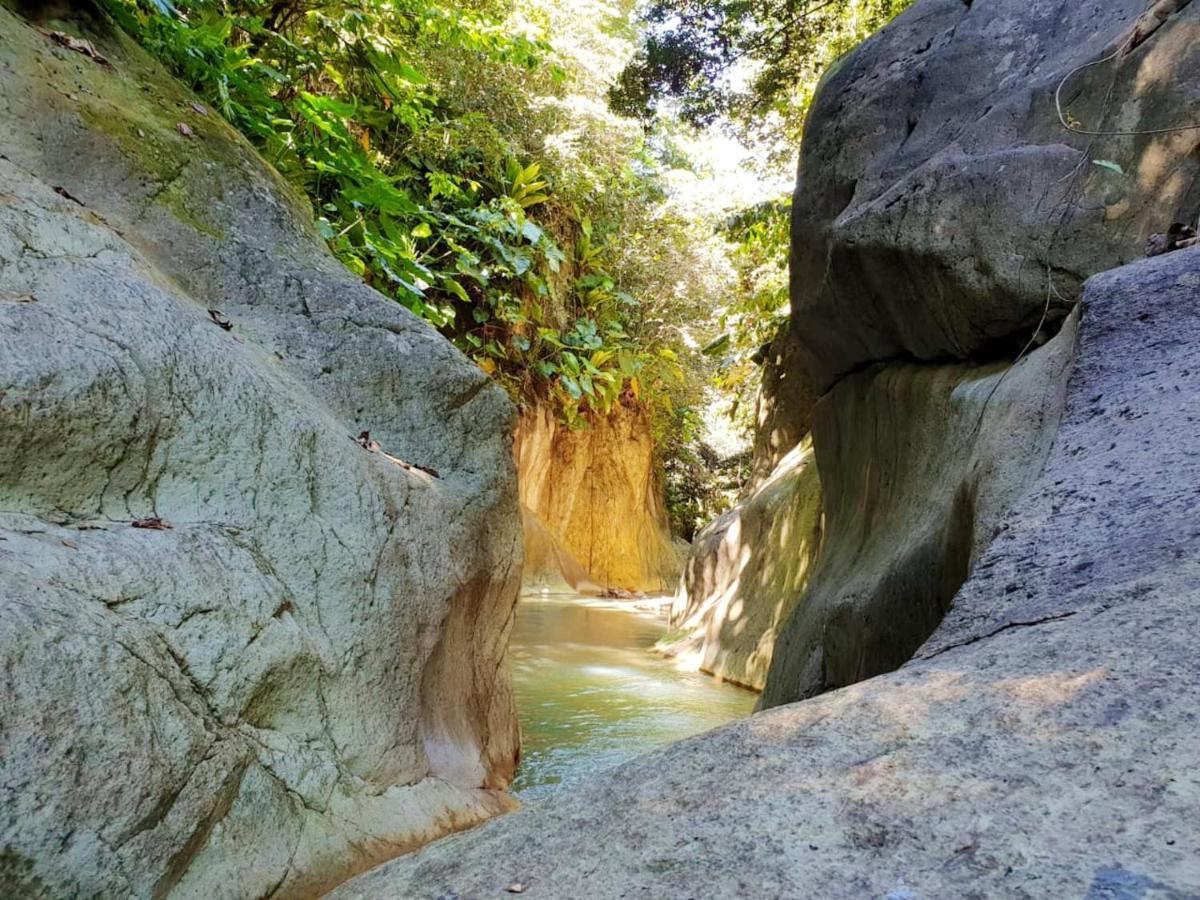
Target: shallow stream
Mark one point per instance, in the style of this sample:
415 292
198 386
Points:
592 693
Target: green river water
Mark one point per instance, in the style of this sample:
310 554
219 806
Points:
591 692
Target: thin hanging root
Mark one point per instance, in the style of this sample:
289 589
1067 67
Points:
1152 20
1146 25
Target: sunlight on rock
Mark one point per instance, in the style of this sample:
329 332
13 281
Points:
737 587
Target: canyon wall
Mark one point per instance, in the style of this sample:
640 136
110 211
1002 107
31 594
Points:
242 651
1007 448
595 516
918 465
844 561
1041 744
943 211
944 219
745 573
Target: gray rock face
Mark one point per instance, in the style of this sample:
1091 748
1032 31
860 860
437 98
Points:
745 574
301 676
1043 743
939 195
784 408
944 219
814 583
918 462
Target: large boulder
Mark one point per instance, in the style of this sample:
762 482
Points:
292 669
942 206
944 219
1043 743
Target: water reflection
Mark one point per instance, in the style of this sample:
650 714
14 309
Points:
591 693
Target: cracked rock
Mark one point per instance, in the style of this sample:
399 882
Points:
297 677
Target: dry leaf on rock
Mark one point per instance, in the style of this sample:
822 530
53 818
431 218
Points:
64 193
79 45
153 523
364 441
219 319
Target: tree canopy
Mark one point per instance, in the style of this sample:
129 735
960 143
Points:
754 63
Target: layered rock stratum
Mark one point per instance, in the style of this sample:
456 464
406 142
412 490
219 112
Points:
595 516
292 669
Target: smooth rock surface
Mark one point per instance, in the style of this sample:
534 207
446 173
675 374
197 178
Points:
596 494
301 676
745 574
918 463
939 195
549 566
783 415
1044 743
816 581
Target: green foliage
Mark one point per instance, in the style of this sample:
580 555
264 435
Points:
759 239
421 189
473 170
700 483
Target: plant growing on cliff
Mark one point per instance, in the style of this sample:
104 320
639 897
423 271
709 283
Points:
439 194
759 239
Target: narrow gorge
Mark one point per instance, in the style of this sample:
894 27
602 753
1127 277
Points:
362 528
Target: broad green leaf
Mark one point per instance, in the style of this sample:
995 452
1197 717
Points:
456 289
531 232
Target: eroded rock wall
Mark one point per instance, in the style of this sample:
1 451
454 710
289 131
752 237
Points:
596 503
1041 744
293 671
549 566
942 210
845 560
745 573
783 417
943 214
919 463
